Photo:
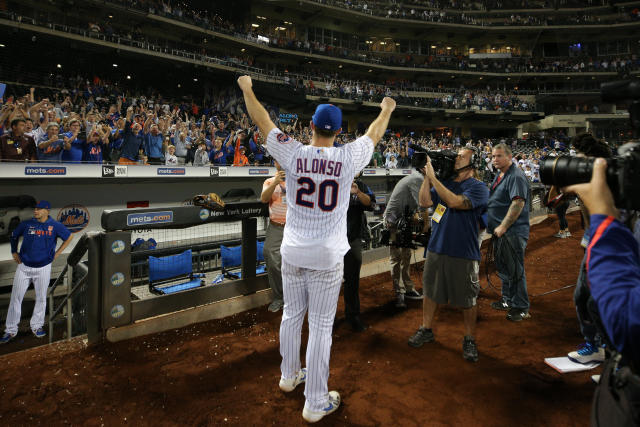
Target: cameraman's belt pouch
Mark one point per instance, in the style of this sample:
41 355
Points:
438 213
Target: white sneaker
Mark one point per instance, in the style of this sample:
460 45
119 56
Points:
315 416
289 384
588 353
560 235
567 234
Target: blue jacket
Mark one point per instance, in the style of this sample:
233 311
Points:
38 241
613 272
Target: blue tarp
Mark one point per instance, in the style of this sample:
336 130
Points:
161 268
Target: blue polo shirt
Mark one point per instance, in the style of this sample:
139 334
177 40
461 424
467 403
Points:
75 153
456 234
514 184
38 241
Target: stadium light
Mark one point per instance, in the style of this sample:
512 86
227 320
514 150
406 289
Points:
433 46
111 16
115 65
59 65
128 77
1 45
340 66
195 79
242 50
255 25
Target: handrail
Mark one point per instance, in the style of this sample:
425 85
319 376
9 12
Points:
73 261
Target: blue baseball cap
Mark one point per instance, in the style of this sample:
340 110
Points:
327 117
43 204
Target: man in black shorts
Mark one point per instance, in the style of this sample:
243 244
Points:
451 267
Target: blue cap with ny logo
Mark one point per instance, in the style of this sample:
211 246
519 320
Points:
43 204
327 117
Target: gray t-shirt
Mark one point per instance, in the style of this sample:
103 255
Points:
513 185
405 193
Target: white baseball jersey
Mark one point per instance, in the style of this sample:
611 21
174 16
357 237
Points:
318 181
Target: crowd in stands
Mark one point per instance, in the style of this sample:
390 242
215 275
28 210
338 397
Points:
129 34
459 99
480 5
215 22
95 122
427 11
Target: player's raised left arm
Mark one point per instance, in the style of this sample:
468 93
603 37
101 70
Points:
256 111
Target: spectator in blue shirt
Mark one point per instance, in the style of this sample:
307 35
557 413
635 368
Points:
50 145
218 155
94 148
133 141
153 141
73 146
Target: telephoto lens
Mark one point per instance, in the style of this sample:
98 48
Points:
566 170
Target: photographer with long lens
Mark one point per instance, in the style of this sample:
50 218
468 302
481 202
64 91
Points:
613 273
508 221
402 203
592 349
453 255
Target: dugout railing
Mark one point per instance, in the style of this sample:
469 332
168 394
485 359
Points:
110 301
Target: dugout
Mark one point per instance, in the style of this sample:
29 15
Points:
132 292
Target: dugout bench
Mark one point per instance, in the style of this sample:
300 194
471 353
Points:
110 303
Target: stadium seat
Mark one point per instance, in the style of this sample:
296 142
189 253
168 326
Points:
171 268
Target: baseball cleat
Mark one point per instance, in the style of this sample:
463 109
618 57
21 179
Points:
315 416
6 338
289 384
39 333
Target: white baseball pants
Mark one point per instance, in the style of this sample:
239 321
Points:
24 275
315 291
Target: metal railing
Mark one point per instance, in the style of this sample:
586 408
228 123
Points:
73 284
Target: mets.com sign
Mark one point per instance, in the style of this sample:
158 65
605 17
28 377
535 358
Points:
171 171
150 218
45 170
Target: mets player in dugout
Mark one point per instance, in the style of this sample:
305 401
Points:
39 238
318 180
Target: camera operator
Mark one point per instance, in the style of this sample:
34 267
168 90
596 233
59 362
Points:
508 221
403 199
613 273
453 255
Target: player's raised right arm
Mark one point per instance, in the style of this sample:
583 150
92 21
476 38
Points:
255 110
379 126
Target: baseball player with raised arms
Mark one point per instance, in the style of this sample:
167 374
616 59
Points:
39 237
318 180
